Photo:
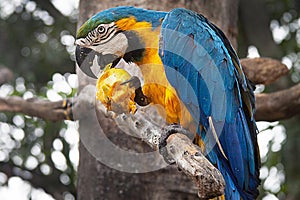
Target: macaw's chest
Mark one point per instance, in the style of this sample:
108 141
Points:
160 92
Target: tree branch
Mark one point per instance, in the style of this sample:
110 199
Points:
263 70
207 178
45 109
188 157
278 105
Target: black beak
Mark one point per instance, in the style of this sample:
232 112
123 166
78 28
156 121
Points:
85 58
81 54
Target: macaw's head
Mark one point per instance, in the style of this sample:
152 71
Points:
113 34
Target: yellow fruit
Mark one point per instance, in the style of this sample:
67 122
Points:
114 95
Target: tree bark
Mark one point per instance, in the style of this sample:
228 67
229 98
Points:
278 105
98 181
263 70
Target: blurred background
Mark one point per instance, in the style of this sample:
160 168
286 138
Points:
39 159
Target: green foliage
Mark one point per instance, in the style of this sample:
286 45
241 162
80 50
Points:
36 41
38 148
30 42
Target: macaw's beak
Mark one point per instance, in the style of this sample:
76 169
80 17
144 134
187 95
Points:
81 54
85 59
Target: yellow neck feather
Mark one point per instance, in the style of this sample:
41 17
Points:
156 85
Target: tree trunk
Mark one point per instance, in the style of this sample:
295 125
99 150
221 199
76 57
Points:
99 181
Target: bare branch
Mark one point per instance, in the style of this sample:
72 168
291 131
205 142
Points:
263 70
278 105
45 109
208 179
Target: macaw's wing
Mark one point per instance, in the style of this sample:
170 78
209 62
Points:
197 55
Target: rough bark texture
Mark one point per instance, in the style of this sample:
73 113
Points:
97 181
278 105
263 70
192 162
45 109
179 149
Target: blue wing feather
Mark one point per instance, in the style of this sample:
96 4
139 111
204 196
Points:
197 53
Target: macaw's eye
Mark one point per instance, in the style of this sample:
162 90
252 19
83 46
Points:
101 29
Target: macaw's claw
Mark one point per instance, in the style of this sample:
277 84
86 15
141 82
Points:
67 106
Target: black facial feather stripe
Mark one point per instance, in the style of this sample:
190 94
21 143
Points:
102 42
97 37
108 33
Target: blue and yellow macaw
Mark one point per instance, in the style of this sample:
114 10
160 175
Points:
190 69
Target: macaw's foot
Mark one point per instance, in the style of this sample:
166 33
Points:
167 131
67 107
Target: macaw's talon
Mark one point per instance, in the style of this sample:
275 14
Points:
166 132
134 82
67 106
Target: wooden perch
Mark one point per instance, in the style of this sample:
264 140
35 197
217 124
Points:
263 70
208 179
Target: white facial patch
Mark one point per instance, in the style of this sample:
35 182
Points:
117 46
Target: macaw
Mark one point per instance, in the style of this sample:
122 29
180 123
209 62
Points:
191 70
